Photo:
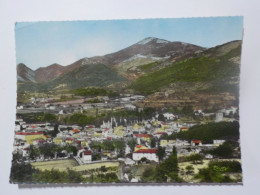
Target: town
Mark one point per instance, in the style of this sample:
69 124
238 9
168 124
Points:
112 139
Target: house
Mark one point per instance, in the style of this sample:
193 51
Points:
58 140
165 142
69 140
87 156
196 143
149 154
29 137
140 147
219 117
184 129
145 137
169 116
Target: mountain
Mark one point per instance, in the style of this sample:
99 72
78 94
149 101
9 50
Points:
148 50
153 48
49 73
90 75
208 79
24 73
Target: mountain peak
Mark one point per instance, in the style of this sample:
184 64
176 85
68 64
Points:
150 39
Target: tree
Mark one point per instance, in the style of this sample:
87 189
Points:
21 173
195 158
160 153
189 170
224 151
153 142
168 169
161 117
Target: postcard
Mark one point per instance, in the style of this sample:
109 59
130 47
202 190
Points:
128 101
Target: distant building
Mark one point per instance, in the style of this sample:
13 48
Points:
149 154
219 117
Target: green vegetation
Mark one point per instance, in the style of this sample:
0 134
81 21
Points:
93 92
38 117
210 131
166 171
49 150
79 118
93 101
191 70
218 172
21 173
224 151
100 76
148 66
195 158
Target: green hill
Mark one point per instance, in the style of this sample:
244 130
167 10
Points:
203 68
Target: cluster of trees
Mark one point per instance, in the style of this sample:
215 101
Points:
225 150
166 171
79 118
49 150
108 145
218 172
25 173
210 131
90 92
38 117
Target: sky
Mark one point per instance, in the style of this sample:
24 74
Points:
40 44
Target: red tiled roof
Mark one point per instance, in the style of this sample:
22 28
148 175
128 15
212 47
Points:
29 133
87 152
109 137
77 141
196 141
41 141
160 133
146 151
163 123
139 146
69 138
143 135
75 130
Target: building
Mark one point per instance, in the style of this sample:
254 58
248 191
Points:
149 154
87 156
196 143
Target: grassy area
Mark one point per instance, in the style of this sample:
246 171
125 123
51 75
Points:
95 166
60 165
148 66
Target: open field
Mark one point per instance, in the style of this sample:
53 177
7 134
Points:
60 165
95 166
72 164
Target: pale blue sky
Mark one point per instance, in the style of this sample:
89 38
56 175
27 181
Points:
39 44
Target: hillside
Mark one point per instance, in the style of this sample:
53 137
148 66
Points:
206 80
197 69
148 50
91 75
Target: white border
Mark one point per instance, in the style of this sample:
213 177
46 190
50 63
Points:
59 10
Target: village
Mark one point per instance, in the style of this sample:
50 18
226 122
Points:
120 145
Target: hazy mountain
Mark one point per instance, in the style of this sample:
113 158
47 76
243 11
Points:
24 73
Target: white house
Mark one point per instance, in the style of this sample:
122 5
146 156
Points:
87 156
149 154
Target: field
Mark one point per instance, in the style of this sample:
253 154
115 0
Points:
60 165
71 163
